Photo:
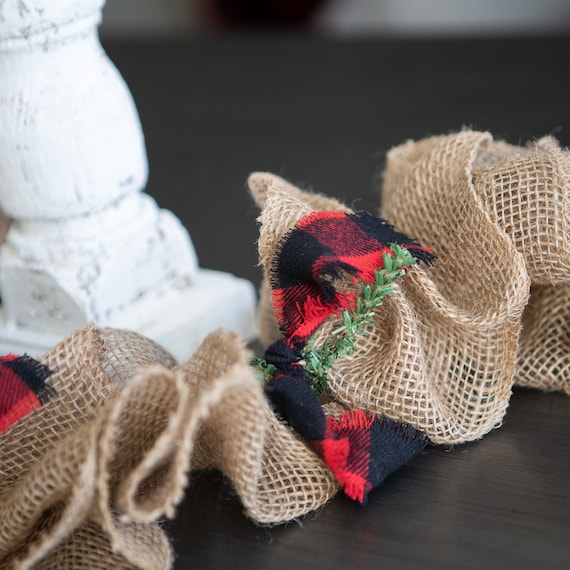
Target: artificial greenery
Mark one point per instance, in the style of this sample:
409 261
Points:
264 370
318 361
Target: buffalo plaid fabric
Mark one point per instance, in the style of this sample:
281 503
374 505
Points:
360 449
23 388
321 247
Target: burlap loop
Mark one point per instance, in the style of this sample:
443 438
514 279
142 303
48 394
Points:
525 193
470 304
49 460
526 190
86 477
443 352
276 476
544 353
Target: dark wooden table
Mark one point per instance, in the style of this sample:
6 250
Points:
323 113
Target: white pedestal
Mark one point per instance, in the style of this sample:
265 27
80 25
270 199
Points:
178 316
85 243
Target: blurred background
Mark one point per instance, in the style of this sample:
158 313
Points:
323 104
338 17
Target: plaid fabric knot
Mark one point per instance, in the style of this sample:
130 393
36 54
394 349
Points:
361 449
290 394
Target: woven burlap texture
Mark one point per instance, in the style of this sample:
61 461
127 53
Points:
443 352
525 193
84 479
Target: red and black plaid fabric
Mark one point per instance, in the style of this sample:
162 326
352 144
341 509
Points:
321 247
361 449
23 388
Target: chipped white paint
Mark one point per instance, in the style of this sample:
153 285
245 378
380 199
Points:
85 243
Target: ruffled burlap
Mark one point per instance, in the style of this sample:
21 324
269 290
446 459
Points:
275 474
544 352
443 353
85 478
525 193
51 462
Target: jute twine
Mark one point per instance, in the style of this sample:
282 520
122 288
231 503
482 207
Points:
84 479
443 353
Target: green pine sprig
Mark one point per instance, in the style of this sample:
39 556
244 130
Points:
318 361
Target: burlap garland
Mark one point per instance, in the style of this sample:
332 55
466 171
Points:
49 461
403 368
525 193
544 352
444 351
85 478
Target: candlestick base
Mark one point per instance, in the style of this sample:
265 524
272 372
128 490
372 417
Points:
178 318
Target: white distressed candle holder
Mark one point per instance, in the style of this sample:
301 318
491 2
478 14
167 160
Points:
85 244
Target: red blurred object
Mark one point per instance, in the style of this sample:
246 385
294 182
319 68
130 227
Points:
234 14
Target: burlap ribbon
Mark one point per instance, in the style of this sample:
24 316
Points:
474 200
85 478
444 351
